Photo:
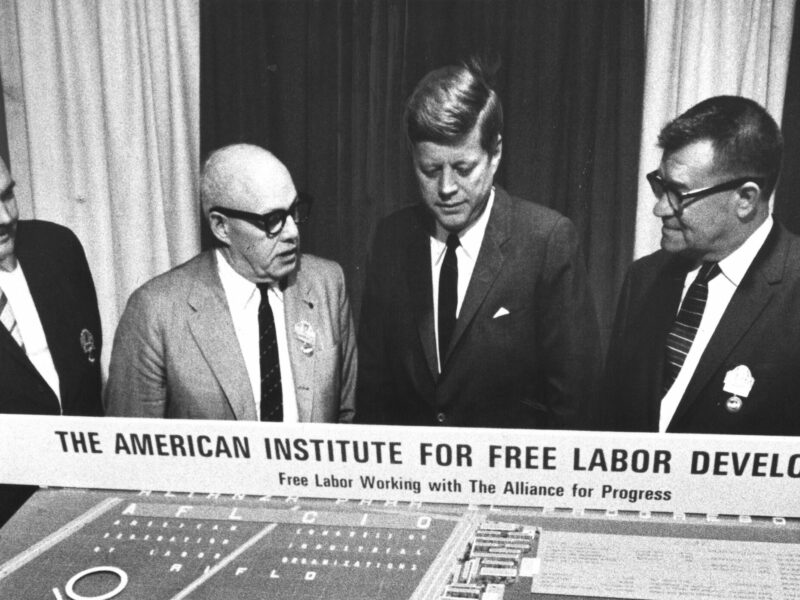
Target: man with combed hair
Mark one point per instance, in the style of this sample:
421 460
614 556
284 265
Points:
251 330
707 333
476 309
50 338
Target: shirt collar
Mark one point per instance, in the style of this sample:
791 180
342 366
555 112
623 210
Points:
470 238
12 275
239 290
735 265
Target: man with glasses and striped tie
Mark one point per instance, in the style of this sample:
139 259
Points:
707 333
50 334
253 329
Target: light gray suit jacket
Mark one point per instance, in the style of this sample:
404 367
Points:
176 354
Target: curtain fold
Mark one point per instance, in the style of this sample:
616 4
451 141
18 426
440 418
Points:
323 83
105 131
3 132
702 48
787 208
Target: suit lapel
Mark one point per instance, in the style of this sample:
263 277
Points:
487 267
748 301
11 351
299 302
420 286
50 299
212 328
656 319
10 348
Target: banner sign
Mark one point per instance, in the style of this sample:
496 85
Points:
742 475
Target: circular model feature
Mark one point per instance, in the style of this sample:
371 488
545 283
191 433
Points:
123 581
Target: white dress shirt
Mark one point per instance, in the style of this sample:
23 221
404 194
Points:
466 255
720 291
15 287
243 300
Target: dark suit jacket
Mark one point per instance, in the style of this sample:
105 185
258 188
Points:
61 285
759 329
525 351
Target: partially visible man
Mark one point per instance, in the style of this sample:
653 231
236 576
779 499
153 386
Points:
707 333
476 309
252 330
50 340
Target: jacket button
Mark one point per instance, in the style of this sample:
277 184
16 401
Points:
441 417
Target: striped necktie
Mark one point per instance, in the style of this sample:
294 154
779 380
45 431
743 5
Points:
9 321
687 322
271 390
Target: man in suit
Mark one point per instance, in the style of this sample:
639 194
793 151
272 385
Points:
251 330
707 333
50 340
476 309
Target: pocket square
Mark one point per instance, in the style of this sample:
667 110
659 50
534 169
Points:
501 312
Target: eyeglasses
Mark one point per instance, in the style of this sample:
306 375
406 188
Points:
678 201
272 222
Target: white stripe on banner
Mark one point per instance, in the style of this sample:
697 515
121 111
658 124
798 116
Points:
745 475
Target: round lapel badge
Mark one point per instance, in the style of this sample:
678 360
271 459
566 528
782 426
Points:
733 404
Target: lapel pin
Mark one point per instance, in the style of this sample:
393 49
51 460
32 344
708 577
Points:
733 404
738 382
305 333
87 344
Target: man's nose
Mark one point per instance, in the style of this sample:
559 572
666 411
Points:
5 213
447 183
663 209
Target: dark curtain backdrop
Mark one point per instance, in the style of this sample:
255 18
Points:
3 130
322 84
787 204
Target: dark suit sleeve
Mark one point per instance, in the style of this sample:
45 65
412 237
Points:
91 397
569 337
614 368
374 398
137 375
63 291
81 276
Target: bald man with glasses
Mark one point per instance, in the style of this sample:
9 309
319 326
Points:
251 330
707 332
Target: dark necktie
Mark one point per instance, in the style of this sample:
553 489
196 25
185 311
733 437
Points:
8 320
681 336
271 392
448 296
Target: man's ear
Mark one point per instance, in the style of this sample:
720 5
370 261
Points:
218 225
498 153
748 197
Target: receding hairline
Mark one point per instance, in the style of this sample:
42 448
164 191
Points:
238 155
228 165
